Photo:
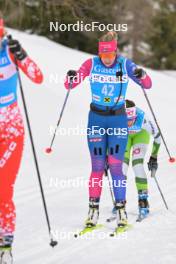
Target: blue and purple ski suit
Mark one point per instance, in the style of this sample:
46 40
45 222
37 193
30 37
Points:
108 134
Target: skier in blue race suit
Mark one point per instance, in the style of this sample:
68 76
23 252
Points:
108 74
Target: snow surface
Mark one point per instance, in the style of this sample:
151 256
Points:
153 240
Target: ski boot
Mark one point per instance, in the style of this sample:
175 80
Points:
93 213
143 205
121 214
114 211
113 215
6 250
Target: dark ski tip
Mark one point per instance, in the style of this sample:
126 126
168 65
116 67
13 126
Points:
111 219
138 220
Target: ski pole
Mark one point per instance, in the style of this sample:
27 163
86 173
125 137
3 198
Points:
171 159
52 241
162 195
49 150
109 183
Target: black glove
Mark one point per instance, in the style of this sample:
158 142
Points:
71 74
152 164
16 49
139 73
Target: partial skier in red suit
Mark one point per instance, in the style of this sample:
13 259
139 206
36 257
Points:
11 128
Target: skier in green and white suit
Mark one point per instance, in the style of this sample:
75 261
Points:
140 129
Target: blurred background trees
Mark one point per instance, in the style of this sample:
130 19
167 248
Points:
151 35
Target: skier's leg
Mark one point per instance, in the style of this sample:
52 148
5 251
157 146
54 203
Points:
126 161
116 150
97 147
140 145
141 141
11 146
117 143
125 164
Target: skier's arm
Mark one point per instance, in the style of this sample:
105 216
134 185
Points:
81 74
25 63
142 79
153 130
156 144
